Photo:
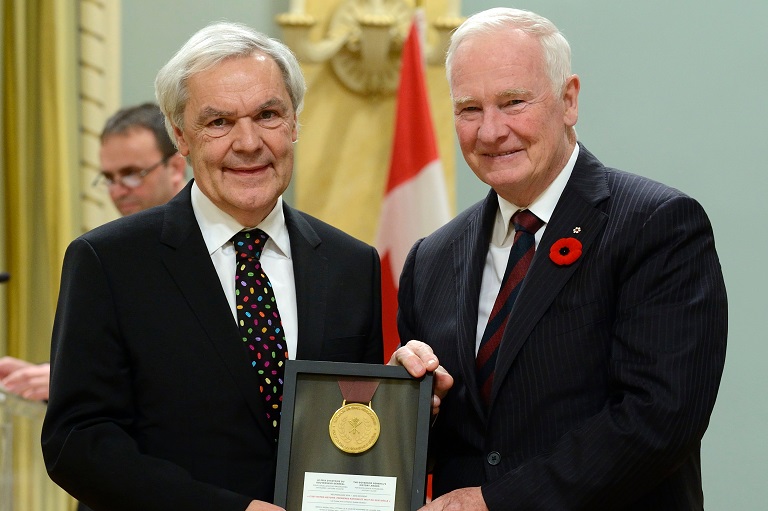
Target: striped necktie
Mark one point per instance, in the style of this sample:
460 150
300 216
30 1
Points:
520 255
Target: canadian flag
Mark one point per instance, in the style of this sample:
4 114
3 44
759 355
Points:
416 200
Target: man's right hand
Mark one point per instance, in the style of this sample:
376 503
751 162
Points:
418 358
25 379
11 364
257 505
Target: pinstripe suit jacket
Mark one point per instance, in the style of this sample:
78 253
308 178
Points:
608 369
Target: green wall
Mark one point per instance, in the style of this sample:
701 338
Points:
670 90
153 30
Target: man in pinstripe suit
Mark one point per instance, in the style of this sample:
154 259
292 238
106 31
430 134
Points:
611 359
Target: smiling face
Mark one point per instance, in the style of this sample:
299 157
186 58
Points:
514 131
239 130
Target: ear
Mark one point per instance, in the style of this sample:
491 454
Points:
571 100
295 131
181 142
178 166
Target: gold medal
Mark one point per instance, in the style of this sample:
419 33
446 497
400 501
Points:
354 428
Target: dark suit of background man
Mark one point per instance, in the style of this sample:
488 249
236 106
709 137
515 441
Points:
609 366
154 404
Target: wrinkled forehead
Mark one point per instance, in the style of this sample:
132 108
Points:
512 44
496 56
238 78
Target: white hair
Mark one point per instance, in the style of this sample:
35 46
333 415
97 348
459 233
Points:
210 46
557 51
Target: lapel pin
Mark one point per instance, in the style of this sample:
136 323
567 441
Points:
565 251
576 230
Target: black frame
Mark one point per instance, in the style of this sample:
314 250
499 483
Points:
311 396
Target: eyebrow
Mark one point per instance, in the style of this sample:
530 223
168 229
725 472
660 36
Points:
271 102
277 103
513 92
210 112
463 100
129 169
507 93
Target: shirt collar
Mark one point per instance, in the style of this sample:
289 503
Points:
543 206
218 227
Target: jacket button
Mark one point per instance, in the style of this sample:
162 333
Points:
494 458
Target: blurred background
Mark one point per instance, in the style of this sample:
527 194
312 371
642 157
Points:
670 90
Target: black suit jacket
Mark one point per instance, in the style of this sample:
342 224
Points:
608 369
154 405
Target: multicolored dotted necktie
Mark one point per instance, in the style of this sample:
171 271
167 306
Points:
259 320
520 256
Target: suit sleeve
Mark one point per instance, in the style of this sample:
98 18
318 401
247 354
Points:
375 350
405 322
86 438
667 343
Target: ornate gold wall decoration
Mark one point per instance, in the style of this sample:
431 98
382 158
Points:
345 140
363 40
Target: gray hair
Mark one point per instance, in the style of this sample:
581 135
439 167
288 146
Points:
557 51
209 47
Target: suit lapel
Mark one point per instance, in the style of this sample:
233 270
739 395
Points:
187 260
469 253
310 271
586 188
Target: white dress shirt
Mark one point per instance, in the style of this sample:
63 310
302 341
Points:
504 234
219 227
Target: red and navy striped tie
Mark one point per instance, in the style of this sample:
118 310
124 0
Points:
520 256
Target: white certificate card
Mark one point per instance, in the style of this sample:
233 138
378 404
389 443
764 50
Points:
344 492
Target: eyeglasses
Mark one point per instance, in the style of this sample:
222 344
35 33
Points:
131 179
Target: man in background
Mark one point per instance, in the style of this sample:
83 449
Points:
581 310
140 168
140 165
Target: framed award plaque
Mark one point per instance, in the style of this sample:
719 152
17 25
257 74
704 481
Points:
352 436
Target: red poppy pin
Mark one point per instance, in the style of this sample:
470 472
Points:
565 251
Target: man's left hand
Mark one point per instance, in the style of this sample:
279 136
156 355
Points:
458 500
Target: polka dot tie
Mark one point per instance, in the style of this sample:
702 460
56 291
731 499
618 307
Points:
259 321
